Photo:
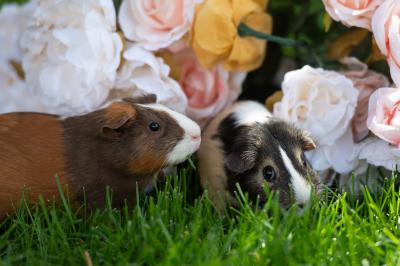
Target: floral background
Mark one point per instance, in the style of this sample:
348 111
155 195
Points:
335 73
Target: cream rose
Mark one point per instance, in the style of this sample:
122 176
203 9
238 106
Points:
342 156
143 73
13 21
15 96
72 52
155 24
208 91
384 114
323 103
352 12
386 29
380 153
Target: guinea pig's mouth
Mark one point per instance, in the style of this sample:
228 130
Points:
183 149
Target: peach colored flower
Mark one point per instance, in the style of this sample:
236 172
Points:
208 91
384 114
143 73
366 82
155 24
386 29
352 12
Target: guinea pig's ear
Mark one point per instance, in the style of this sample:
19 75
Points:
117 117
240 161
308 143
144 99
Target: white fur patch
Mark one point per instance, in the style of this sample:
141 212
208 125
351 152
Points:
192 134
249 112
302 189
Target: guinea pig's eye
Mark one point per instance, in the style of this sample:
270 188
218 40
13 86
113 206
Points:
153 126
269 173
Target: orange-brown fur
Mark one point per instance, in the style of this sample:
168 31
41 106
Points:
111 147
31 154
117 110
146 163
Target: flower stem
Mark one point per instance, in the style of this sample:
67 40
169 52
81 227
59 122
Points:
117 4
245 30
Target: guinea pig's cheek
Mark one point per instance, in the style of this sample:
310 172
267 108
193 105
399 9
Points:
146 164
300 186
183 149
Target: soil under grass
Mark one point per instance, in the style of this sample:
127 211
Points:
177 225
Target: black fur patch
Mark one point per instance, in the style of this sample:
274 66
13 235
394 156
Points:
291 138
260 142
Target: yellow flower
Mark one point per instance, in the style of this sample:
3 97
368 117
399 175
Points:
376 54
274 98
343 45
214 35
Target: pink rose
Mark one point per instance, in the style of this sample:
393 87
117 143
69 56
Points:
208 91
156 24
366 82
384 114
386 29
352 12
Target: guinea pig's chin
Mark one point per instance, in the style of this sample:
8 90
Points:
183 150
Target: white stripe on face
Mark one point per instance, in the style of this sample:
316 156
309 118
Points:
191 138
302 189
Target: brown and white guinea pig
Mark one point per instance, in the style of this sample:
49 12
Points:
124 144
245 145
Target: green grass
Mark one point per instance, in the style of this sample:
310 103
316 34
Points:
177 225
2 2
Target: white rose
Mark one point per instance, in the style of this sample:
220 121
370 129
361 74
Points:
15 96
144 73
155 24
341 156
323 103
72 52
380 153
362 174
13 21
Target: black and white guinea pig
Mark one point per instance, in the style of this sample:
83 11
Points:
245 145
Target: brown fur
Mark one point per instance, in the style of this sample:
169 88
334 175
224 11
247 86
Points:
123 158
118 113
112 147
130 159
147 163
31 154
